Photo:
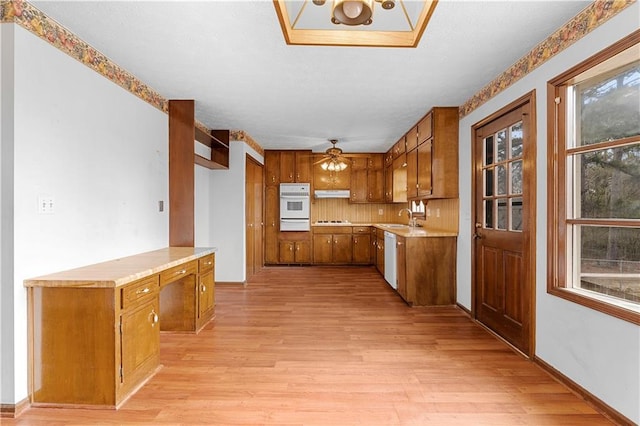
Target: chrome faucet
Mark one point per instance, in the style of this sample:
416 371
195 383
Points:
412 221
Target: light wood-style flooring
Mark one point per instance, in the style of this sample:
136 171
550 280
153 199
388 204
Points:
336 346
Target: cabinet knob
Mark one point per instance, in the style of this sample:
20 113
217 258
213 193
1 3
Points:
290 248
273 178
203 288
184 271
154 317
355 241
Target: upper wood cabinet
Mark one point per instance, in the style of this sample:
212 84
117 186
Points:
432 167
367 179
412 139
399 147
323 179
287 166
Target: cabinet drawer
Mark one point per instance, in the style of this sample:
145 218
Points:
205 263
332 230
139 291
361 230
178 272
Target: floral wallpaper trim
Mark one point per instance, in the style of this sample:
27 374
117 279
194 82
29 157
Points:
35 21
242 136
582 24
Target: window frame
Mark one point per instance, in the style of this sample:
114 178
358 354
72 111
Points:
558 224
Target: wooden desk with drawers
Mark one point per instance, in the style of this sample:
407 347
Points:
94 332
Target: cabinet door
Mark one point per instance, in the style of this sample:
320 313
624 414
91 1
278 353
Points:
374 248
380 256
412 174
425 128
287 252
303 166
412 138
424 169
287 166
375 185
303 252
401 266
271 224
206 294
271 168
362 249
323 179
140 340
358 186
388 184
322 248
342 248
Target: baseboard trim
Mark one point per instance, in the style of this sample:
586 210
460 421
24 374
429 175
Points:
231 283
11 411
466 311
591 399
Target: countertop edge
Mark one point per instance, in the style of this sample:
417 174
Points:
57 279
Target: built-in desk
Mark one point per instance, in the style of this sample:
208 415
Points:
94 332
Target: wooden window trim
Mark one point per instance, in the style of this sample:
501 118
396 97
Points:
557 192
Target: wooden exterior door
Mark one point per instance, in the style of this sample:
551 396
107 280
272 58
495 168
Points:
504 207
253 216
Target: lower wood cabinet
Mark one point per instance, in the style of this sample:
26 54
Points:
295 252
332 245
94 345
380 250
361 245
426 270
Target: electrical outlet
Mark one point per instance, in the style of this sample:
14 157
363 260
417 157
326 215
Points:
437 212
46 205
161 206
380 212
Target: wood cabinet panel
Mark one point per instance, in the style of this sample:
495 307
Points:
178 272
388 184
426 270
323 179
140 334
362 248
271 224
424 170
303 160
412 174
271 168
380 254
287 166
206 296
444 157
342 248
424 128
412 138
140 292
322 248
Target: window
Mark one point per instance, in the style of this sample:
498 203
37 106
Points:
594 182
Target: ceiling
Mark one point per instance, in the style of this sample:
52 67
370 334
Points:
232 58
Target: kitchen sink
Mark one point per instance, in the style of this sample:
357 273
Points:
394 225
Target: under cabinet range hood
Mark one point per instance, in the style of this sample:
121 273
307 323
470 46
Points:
332 193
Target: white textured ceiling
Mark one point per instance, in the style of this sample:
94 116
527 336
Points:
231 57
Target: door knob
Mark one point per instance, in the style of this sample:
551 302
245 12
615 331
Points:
477 236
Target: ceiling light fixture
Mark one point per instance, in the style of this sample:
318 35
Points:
333 161
352 22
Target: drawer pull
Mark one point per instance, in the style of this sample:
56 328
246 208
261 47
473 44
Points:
143 291
184 271
203 288
209 263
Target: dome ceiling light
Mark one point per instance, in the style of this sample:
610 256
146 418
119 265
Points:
380 23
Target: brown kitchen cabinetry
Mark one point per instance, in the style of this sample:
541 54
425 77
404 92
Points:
271 224
287 166
367 179
388 183
380 250
332 245
100 361
324 179
295 252
426 270
411 139
374 246
361 245
432 166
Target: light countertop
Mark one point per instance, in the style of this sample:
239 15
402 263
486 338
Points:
397 228
118 272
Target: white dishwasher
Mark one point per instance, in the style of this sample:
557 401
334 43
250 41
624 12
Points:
390 259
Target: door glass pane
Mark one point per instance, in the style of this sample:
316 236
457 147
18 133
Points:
610 261
516 213
516 177
516 140
488 182
501 138
488 214
488 151
501 175
502 214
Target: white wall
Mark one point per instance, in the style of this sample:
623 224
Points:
227 214
100 152
597 351
7 382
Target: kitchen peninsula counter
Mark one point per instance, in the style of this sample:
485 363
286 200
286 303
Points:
94 331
